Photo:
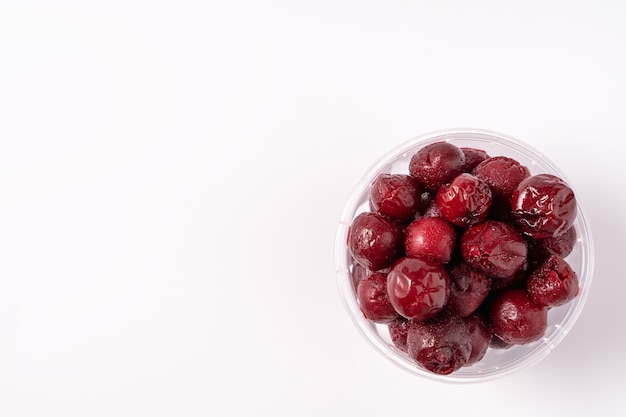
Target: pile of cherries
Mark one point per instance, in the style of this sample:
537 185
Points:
463 253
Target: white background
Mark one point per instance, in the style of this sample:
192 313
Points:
172 175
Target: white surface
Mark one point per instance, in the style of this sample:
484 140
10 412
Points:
172 174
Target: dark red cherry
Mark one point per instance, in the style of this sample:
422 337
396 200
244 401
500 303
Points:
441 345
495 248
473 157
541 249
375 241
544 206
465 201
480 336
517 280
398 330
503 175
561 245
373 299
430 237
553 282
468 289
436 164
395 195
418 288
515 318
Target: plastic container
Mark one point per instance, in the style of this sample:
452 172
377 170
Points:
496 362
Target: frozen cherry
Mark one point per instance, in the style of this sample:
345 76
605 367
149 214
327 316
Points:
517 280
553 282
465 201
430 237
473 157
375 241
495 248
540 249
561 245
395 195
373 300
515 318
436 164
480 337
441 345
398 330
503 175
544 206
468 289
418 288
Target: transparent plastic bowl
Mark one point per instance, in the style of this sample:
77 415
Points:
496 362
